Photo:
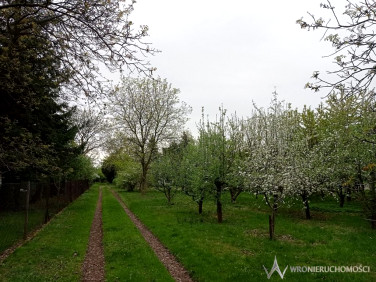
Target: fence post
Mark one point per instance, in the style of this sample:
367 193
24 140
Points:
27 210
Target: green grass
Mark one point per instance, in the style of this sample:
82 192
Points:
128 256
12 226
12 222
237 249
57 252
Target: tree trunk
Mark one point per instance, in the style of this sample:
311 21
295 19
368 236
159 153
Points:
271 225
235 192
307 211
143 184
200 203
341 196
271 228
306 205
218 185
233 197
219 211
272 218
168 195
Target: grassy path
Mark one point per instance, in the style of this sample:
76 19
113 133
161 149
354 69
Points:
58 251
176 269
236 250
128 255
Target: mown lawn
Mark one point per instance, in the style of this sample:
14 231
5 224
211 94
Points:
57 252
128 256
237 249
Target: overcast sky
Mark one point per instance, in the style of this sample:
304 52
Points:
235 52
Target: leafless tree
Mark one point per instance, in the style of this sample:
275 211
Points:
91 129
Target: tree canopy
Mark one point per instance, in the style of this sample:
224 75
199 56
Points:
82 34
149 113
51 53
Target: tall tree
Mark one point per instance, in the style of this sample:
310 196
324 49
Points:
35 130
150 114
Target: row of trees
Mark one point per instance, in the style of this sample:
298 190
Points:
280 153
49 57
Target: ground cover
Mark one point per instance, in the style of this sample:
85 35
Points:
238 249
128 256
12 222
12 226
57 252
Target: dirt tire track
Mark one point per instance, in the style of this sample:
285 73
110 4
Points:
176 269
93 265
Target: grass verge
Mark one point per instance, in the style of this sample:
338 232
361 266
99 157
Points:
57 252
12 222
237 249
128 256
12 226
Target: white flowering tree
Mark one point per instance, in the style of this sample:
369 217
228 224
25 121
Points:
269 136
308 175
149 113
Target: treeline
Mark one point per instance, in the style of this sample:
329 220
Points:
49 52
279 153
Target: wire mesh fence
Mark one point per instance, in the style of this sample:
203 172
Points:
26 206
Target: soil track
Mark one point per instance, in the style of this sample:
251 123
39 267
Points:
93 266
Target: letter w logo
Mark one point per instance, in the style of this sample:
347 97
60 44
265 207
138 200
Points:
275 268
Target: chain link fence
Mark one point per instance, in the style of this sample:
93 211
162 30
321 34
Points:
26 206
